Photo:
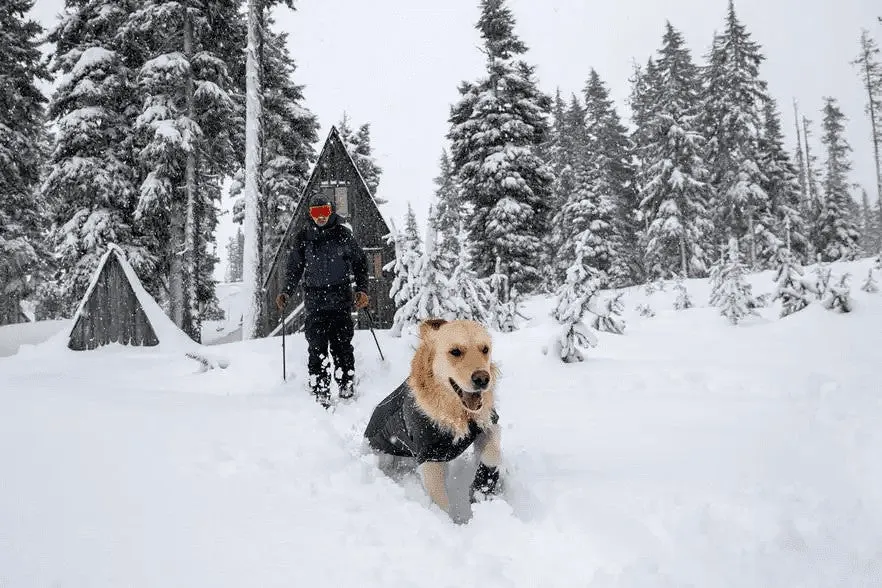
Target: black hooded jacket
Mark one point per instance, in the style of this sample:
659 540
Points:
322 259
399 427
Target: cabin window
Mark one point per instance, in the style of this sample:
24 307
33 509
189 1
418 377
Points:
341 199
378 265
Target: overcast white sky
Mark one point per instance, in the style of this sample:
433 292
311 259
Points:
397 64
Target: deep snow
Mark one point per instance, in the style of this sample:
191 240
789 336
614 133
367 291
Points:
685 452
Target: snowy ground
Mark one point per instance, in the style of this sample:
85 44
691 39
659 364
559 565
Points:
684 453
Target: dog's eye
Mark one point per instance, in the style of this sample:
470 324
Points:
485 350
456 352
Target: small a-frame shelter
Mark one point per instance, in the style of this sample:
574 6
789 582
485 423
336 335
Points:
335 175
111 311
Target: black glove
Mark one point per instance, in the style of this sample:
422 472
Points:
486 482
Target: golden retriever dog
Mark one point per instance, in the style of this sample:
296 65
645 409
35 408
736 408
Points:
444 406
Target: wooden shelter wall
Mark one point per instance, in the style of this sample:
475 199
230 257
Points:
112 314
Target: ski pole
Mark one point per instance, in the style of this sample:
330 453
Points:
282 322
371 327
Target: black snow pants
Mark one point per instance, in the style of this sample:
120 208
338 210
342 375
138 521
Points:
330 330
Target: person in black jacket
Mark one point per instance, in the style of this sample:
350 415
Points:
322 258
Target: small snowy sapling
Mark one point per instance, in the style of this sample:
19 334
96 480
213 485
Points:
683 300
610 319
870 284
645 310
789 286
731 293
838 296
574 298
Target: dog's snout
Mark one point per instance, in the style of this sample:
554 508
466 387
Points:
480 379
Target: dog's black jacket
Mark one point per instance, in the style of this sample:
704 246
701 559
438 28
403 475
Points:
399 427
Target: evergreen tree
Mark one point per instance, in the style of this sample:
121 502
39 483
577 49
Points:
800 162
496 130
730 291
674 187
235 251
431 294
358 143
870 285
611 169
609 319
22 151
683 300
574 299
406 267
185 143
449 217
838 237
586 216
734 98
784 193
871 232
790 287
871 77
838 296
92 180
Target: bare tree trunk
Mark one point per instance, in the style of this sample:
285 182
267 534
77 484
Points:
865 60
684 267
253 102
752 240
191 323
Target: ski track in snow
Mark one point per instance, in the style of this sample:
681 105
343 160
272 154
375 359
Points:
684 453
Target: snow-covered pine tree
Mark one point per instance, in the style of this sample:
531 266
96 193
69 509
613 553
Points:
472 295
683 300
91 177
870 68
784 193
838 296
586 217
730 291
790 286
504 301
645 85
823 274
23 219
448 216
235 251
496 129
185 141
405 267
609 318
431 292
358 143
609 161
870 231
838 237
673 182
561 153
870 285
575 298
733 124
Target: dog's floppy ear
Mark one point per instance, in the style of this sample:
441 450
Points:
429 325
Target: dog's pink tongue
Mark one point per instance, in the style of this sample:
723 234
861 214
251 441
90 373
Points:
471 401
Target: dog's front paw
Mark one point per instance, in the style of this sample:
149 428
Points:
485 484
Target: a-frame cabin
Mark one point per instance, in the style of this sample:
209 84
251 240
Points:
335 175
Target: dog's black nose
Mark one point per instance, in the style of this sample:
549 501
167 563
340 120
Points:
480 379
